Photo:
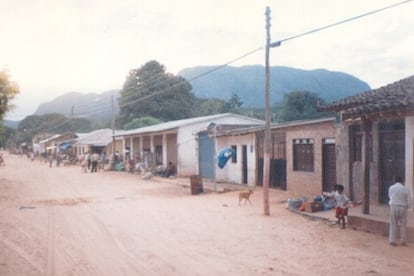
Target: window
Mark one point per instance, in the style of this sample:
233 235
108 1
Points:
234 157
303 155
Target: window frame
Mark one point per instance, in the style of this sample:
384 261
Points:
303 155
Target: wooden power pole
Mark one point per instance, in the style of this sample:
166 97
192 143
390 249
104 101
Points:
266 157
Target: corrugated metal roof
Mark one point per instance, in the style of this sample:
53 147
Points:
184 122
252 129
100 137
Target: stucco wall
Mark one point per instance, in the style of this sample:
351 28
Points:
232 172
188 145
187 150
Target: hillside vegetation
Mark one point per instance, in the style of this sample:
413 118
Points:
248 83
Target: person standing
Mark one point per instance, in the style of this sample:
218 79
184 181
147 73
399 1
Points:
94 159
342 202
88 159
400 201
2 159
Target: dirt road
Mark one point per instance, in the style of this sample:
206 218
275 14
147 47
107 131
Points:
60 221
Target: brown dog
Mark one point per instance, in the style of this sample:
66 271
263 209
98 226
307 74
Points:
246 196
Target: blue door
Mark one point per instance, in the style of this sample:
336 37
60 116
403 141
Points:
206 155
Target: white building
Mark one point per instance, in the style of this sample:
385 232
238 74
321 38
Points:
185 142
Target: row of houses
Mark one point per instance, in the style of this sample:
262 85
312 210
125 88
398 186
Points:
364 147
74 145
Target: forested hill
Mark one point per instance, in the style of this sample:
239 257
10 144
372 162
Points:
248 83
93 106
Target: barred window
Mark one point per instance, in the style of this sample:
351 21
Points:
303 155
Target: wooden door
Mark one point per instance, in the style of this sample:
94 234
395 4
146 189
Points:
392 160
328 166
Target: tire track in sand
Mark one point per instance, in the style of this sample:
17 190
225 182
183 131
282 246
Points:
50 261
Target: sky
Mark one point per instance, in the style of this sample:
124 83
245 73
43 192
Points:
51 47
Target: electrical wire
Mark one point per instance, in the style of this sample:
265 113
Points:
277 43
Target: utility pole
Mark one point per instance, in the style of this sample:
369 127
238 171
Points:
113 128
266 157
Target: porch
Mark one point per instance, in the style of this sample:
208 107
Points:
377 222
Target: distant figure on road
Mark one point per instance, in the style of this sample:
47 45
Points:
94 160
2 159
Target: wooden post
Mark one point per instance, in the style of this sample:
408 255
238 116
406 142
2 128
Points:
266 156
366 125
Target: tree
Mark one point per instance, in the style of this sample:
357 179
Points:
300 105
8 90
235 102
211 107
150 91
5 134
141 122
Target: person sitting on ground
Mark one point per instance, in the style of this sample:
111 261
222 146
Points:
139 166
170 170
342 202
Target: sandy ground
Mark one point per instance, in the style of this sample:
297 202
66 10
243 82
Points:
60 221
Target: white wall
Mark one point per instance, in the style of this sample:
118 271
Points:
187 145
187 150
232 172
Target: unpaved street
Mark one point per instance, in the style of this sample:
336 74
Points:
60 221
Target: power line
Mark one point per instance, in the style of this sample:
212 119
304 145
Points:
277 43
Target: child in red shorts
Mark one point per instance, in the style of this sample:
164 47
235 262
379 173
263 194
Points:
341 206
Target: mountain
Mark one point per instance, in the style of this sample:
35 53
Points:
12 124
208 82
93 106
248 83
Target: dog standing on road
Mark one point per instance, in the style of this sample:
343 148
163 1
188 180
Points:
246 196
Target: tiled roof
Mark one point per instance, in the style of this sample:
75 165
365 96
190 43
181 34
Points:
397 96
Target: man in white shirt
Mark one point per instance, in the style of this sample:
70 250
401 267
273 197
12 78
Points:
400 202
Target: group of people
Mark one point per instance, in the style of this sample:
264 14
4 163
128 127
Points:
91 161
